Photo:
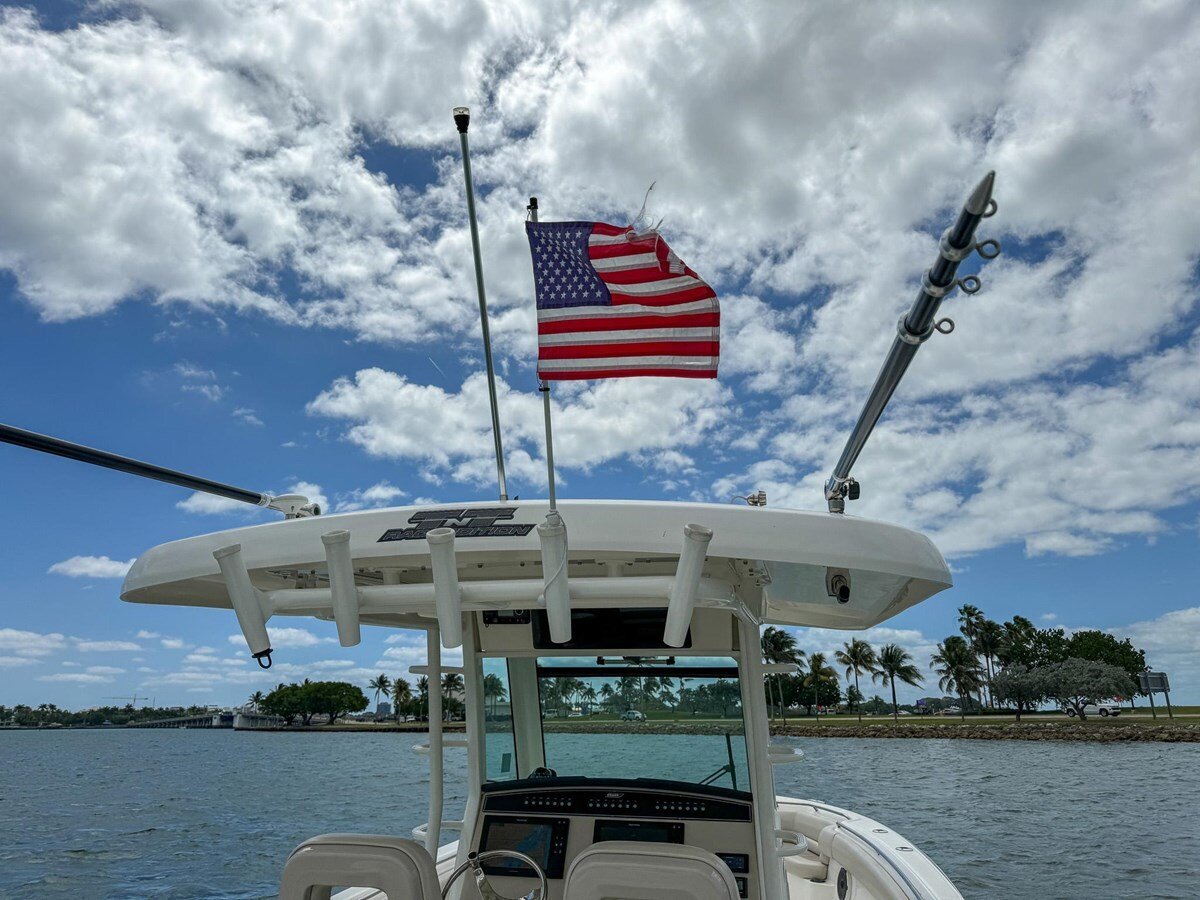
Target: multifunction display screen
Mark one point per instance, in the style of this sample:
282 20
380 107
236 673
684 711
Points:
646 832
542 840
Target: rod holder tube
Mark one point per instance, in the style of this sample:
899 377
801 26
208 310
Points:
248 601
433 657
447 596
556 587
342 589
686 586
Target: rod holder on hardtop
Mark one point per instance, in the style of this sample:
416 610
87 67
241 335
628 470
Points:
917 326
342 590
447 596
294 506
557 591
249 603
687 584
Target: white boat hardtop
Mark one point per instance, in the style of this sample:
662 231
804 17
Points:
779 559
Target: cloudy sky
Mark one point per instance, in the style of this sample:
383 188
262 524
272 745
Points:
233 241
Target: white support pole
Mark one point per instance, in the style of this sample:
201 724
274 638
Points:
544 389
433 656
249 603
447 596
341 587
687 584
556 588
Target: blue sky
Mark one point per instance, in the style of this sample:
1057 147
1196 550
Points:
219 257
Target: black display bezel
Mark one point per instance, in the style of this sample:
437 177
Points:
675 830
555 857
740 864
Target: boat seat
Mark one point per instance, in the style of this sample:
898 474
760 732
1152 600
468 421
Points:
400 868
819 831
632 870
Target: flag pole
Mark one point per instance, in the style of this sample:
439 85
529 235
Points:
462 118
544 387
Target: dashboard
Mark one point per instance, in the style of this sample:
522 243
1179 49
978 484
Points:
552 820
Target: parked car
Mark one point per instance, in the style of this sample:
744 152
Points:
1104 708
633 715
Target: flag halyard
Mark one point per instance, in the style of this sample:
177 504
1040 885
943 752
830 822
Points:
615 304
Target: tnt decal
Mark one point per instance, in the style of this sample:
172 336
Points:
477 521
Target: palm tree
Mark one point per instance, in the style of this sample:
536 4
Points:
958 667
988 639
896 662
257 698
401 695
379 685
858 657
493 691
589 696
969 619
606 694
818 672
779 646
423 692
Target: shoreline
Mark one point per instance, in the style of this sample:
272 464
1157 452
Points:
1105 732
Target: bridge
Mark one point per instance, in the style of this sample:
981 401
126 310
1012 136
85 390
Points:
227 718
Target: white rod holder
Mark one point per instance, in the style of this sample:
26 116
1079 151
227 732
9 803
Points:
341 587
687 584
248 601
447 596
556 587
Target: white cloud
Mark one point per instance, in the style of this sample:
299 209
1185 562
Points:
392 417
12 662
211 505
148 635
31 643
76 678
382 493
289 638
247 416
191 371
104 670
91 567
172 643
105 646
211 392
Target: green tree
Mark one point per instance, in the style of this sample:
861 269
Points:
493 691
1020 685
401 696
285 701
1076 682
895 662
818 673
379 685
334 698
779 647
989 637
423 694
452 686
958 669
1100 646
255 699
858 657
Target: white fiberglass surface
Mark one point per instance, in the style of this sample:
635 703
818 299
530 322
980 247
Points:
625 718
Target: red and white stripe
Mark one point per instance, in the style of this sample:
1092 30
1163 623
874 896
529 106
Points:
664 319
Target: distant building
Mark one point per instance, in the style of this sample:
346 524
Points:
383 709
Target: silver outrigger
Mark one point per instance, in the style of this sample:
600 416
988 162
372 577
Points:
667 587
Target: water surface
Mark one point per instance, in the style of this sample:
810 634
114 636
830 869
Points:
166 814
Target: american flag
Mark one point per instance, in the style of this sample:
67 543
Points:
613 304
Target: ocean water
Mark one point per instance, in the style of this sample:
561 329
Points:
183 814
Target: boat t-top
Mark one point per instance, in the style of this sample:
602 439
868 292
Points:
606 594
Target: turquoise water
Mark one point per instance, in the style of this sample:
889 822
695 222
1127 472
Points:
214 813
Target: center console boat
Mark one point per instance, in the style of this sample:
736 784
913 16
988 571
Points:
645 599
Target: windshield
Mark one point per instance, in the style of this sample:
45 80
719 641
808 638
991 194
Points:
644 718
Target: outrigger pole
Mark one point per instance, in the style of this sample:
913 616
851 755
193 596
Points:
462 118
915 328
294 506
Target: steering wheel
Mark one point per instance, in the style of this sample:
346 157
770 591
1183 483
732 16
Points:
484 886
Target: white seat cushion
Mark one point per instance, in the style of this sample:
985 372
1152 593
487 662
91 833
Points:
628 870
400 868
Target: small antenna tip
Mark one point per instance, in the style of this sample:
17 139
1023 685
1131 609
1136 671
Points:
462 118
977 203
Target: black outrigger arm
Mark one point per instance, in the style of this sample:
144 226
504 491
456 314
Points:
916 327
294 506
